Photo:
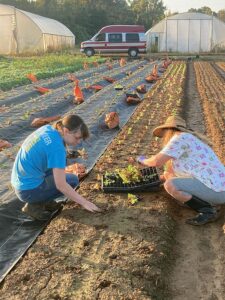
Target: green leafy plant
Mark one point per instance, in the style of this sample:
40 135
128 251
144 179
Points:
132 199
129 174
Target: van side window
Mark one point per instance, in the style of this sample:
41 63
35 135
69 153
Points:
115 37
132 37
100 37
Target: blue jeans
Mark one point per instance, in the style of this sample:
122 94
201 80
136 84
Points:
47 191
194 187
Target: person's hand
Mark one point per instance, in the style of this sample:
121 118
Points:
91 206
141 159
162 178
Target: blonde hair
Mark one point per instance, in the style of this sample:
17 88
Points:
168 133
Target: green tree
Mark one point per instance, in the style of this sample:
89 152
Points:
148 12
221 15
204 10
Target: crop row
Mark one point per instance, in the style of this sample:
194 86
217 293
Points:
165 98
19 116
212 94
91 110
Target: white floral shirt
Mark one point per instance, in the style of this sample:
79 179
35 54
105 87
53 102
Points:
193 158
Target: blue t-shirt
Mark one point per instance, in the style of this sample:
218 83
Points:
41 151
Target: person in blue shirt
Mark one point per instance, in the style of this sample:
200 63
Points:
38 174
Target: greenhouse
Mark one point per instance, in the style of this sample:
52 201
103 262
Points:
24 32
187 32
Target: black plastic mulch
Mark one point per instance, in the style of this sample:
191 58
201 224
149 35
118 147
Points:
18 232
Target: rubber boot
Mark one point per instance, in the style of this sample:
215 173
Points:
207 213
52 206
36 211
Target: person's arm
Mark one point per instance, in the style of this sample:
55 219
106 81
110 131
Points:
69 192
157 160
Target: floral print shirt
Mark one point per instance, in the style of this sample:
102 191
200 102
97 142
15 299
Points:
193 158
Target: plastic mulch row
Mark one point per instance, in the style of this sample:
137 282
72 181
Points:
112 183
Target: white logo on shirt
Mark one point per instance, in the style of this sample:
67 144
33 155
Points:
47 139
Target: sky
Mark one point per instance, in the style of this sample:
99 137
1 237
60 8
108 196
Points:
185 5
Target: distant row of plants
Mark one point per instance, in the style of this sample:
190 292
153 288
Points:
13 70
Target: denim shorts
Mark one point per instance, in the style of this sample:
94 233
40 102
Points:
46 191
196 188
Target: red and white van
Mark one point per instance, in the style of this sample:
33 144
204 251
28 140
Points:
129 39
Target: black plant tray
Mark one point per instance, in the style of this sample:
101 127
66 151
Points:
150 182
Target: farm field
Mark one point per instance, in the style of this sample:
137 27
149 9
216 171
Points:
13 70
142 251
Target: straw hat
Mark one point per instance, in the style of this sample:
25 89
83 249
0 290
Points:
176 122
173 122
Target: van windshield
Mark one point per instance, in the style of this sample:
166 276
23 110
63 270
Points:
99 37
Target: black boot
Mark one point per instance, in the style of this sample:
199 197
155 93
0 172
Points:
36 211
52 206
207 213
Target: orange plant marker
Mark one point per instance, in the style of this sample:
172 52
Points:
32 77
155 71
42 90
78 95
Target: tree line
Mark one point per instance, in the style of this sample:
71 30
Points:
85 17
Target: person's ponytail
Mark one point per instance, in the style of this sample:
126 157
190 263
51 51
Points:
58 125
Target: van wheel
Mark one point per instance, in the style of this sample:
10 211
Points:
133 52
89 52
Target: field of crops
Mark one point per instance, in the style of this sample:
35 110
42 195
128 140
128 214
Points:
126 252
13 70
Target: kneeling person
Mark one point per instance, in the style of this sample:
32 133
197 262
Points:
38 175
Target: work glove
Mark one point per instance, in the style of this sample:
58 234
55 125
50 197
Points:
141 159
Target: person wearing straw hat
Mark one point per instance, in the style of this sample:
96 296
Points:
193 174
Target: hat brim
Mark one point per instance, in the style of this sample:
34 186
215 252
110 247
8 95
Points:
158 131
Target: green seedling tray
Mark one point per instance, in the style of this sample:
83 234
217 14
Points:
112 183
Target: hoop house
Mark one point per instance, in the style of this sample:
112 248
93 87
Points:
22 32
187 32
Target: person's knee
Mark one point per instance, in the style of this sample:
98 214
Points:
169 186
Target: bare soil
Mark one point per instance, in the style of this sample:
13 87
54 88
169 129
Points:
199 266
139 252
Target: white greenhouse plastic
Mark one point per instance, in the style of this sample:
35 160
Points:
24 32
187 33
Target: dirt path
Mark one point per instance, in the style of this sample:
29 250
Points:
199 266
